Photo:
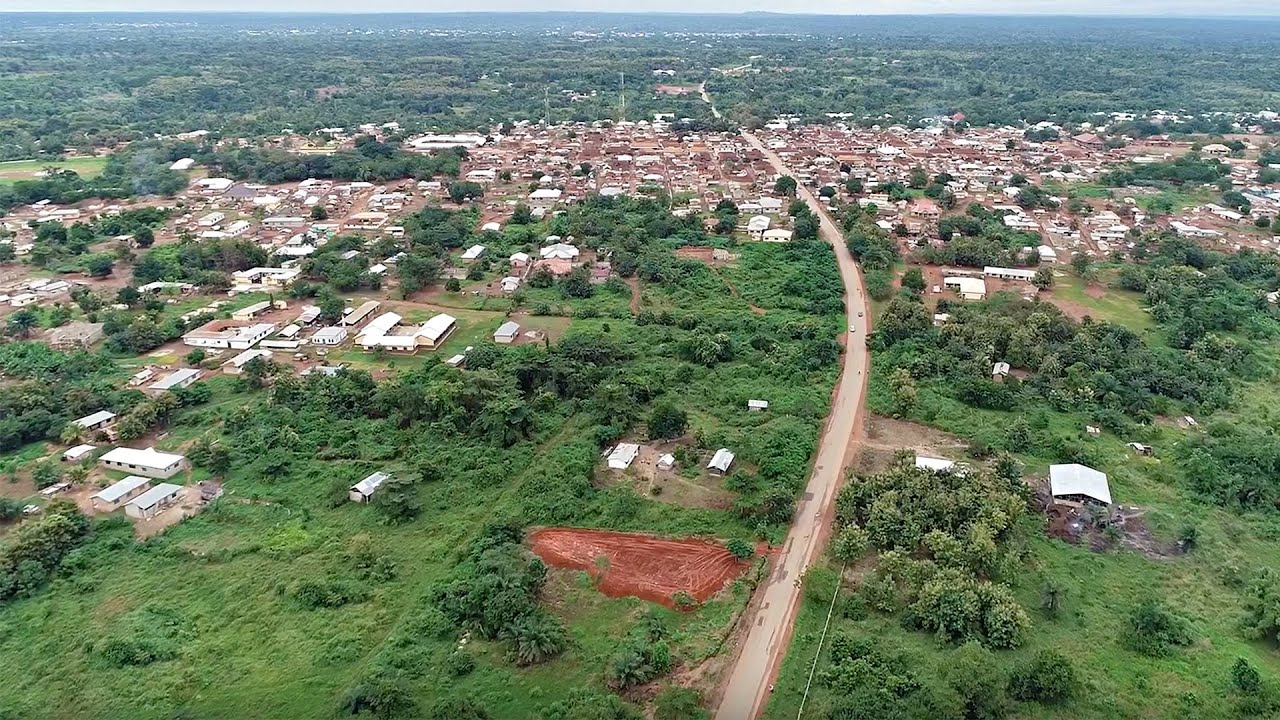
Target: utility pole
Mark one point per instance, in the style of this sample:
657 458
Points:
622 96
546 106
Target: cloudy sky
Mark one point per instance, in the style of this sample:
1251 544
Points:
1063 7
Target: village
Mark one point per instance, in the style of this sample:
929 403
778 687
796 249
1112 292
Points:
541 170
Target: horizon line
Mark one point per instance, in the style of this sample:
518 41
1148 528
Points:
673 13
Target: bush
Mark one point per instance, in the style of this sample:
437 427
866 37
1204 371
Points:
679 703
973 675
460 663
316 594
458 709
1154 631
385 695
1048 678
1245 678
740 548
130 652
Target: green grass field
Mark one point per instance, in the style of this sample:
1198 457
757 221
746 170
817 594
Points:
15 170
1103 303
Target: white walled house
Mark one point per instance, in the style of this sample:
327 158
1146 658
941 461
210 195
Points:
149 462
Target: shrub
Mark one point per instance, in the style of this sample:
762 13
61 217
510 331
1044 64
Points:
740 548
679 703
316 594
460 663
384 694
1048 678
130 652
1154 631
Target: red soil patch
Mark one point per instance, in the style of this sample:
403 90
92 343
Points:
641 566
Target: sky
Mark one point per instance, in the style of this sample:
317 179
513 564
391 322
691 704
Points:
857 7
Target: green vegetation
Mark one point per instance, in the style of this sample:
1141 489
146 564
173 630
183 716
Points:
284 578
211 76
1173 617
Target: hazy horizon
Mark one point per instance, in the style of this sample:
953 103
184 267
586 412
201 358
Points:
1117 8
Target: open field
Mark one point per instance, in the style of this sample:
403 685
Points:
14 170
1079 298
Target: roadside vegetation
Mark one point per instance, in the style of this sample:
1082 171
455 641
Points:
941 613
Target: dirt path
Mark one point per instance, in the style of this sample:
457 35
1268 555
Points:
634 283
746 689
706 98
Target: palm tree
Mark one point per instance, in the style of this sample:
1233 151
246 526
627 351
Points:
70 433
536 639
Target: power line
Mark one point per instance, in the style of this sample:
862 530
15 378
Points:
813 668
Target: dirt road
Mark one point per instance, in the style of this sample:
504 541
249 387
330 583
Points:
746 689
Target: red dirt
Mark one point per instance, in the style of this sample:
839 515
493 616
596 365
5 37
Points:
642 566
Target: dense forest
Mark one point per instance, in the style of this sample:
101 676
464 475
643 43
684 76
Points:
78 81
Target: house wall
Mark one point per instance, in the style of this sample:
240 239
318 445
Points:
159 473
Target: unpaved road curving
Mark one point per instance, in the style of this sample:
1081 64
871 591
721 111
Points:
746 688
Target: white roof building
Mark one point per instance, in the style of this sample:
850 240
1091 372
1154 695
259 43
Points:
507 332
935 464
78 452
96 419
364 490
379 326
721 461
146 504
437 328
473 253
970 288
112 494
623 455
178 378
149 462
237 363
559 251
1079 481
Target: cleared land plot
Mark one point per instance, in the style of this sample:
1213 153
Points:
638 565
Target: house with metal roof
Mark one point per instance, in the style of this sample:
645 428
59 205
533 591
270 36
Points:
96 421
506 333
623 455
181 378
720 462
363 491
150 503
112 497
149 462
1077 485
